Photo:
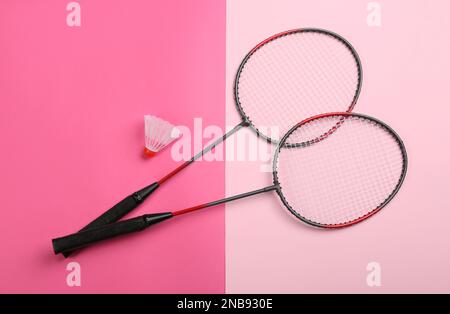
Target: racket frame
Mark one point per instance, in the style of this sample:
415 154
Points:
246 118
343 115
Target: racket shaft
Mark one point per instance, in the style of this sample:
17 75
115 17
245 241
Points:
91 236
225 200
132 201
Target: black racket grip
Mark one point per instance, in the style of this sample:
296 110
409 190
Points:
90 236
120 209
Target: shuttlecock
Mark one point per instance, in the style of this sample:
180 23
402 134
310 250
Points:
158 134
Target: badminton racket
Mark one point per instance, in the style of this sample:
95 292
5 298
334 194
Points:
348 167
284 79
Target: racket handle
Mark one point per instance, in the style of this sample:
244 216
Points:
90 236
120 209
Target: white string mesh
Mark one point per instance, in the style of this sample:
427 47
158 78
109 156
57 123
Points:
343 177
297 76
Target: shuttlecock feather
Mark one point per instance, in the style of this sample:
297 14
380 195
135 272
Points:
158 134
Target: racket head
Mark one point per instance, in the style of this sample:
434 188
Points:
294 75
348 168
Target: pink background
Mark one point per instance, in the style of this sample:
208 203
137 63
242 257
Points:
72 102
406 66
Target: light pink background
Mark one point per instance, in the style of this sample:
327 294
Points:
405 84
72 102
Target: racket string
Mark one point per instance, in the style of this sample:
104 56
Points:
298 75
345 176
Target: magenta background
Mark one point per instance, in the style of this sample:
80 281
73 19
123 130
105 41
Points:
406 81
72 102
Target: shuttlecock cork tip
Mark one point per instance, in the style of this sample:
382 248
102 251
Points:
149 153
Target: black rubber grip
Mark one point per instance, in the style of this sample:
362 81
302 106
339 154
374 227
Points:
90 236
83 238
114 213
119 210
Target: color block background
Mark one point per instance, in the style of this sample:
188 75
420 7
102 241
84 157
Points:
406 66
72 102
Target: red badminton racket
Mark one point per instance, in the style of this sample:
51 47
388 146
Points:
348 167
